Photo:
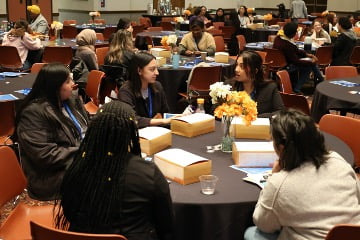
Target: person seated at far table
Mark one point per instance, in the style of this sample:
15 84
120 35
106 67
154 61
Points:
310 190
20 38
295 57
249 77
344 43
86 40
123 24
38 22
197 40
110 188
319 32
143 93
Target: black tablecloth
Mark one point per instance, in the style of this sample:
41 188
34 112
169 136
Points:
11 84
226 214
140 40
174 80
331 96
156 19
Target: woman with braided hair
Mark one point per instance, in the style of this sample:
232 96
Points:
109 188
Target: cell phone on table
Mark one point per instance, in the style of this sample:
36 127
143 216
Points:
169 115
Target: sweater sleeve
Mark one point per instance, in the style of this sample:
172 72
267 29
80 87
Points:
264 215
30 43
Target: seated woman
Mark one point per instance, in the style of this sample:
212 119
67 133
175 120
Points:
86 40
197 40
310 190
344 44
20 38
143 93
109 188
249 77
117 61
219 16
319 32
123 24
50 124
243 16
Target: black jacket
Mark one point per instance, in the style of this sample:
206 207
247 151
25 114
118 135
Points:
343 48
140 105
147 212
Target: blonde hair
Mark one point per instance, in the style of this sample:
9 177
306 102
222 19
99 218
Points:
121 42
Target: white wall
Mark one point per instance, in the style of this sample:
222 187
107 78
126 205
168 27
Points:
343 5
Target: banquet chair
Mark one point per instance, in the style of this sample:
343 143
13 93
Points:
345 128
69 32
355 56
69 22
137 29
217 25
99 21
100 54
200 79
285 82
215 32
154 29
166 26
92 90
108 31
12 61
344 232
100 36
167 19
57 54
333 72
219 43
145 21
324 55
7 122
241 42
12 184
41 232
295 101
275 60
228 31
36 67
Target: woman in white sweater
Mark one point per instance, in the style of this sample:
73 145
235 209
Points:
310 190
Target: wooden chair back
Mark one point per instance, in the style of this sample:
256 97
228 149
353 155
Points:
220 44
36 67
201 78
92 90
137 29
155 29
100 36
345 128
100 54
57 54
69 22
228 31
108 31
344 232
167 26
324 55
241 42
145 21
12 61
298 102
217 25
285 82
333 72
355 56
275 59
41 232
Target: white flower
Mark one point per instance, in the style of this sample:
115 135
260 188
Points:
56 25
172 39
179 19
95 14
219 91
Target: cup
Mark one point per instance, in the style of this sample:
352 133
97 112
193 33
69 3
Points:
203 56
208 183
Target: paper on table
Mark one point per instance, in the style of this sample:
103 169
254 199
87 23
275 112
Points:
152 132
180 157
258 121
251 170
7 97
196 117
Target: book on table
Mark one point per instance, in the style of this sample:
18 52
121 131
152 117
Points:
254 154
154 139
181 166
193 125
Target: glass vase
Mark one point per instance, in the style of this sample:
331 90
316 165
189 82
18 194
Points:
227 138
57 37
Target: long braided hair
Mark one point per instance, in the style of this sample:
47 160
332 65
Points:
94 184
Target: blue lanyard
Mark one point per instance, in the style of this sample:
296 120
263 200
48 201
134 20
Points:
150 110
252 95
73 118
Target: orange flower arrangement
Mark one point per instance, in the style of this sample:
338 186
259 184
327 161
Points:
250 10
233 104
164 41
268 17
187 12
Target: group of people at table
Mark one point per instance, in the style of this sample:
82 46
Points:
95 170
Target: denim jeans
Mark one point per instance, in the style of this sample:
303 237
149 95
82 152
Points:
304 72
253 233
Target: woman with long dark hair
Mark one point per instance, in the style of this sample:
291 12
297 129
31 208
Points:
143 93
249 77
109 188
50 124
311 189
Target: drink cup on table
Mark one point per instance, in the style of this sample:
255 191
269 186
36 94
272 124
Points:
208 184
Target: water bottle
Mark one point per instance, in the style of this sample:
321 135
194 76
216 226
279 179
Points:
175 60
200 105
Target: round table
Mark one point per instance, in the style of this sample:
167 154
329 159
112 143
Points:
328 96
11 84
227 213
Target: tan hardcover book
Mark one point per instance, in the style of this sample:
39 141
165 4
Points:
160 52
222 57
259 129
154 139
193 125
181 166
160 61
253 154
